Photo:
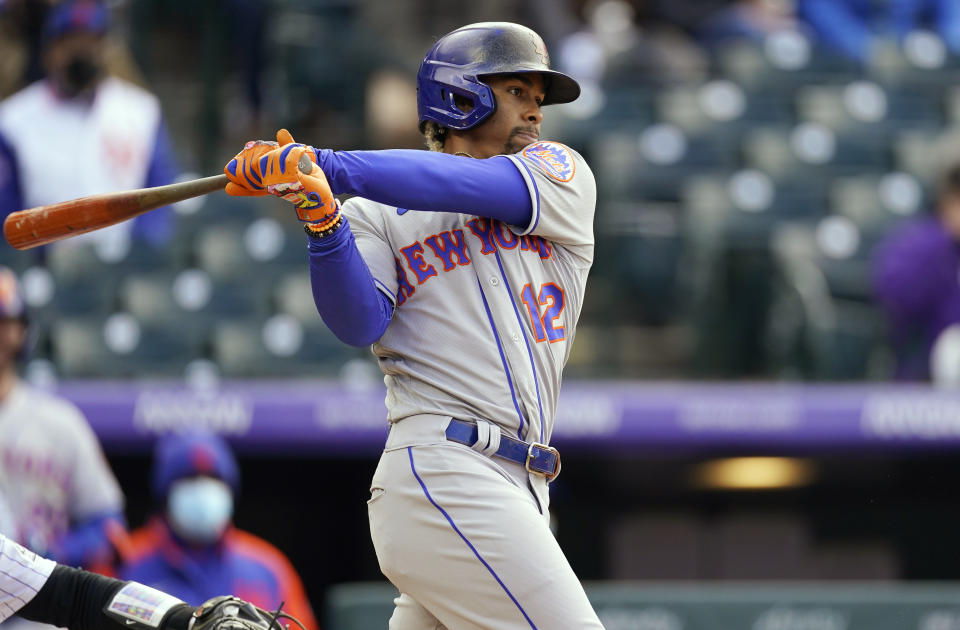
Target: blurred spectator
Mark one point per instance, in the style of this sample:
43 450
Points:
61 498
249 19
21 22
108 133
916 280
612 46
687 15
751 20
856 28
191 549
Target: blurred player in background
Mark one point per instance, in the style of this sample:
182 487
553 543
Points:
915 279
62 499
191 549
465 267
108 133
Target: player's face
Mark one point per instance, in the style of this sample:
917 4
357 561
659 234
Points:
74 62
516 122
12 336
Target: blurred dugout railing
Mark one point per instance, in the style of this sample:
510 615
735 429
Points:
735 606
735 225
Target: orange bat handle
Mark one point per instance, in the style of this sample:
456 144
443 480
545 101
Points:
45 224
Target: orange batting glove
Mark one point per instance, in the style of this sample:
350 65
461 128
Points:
244 170
289 172
241 170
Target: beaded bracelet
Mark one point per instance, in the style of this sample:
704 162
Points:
325 231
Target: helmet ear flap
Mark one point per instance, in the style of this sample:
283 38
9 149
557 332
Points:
459 104
465 104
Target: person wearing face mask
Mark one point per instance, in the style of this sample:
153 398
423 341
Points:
109 133
190 547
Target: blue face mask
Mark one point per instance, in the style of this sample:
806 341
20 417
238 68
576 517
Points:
199 509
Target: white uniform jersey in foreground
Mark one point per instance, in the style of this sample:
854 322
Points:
22 574
485 312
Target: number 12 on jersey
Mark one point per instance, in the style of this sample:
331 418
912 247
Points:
550 299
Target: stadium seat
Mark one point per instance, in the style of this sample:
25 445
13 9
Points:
864 104
782 63
877 201
654 162
618 106
244 250
645 268
217 208
293 295
813 153
697 107
218 250
78 347
825 326
152 299
83 297
239 299
926 150
72 261
81 350
18 260
240 349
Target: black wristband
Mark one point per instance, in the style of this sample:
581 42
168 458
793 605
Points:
72 598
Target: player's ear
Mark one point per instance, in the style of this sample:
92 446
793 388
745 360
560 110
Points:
463 103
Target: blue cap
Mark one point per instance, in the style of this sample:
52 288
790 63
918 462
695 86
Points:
180 455
11 296
75 16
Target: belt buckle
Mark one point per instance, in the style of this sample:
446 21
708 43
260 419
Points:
531 455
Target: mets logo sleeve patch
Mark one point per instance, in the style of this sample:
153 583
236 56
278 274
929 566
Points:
555 159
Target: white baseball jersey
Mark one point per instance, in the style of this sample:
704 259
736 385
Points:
22 574
52 469
70 149
485 316
485 312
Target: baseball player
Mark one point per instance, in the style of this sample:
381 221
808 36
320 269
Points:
110 134
465 267
191 549
61 499
40 590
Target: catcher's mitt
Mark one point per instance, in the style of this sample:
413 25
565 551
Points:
232 613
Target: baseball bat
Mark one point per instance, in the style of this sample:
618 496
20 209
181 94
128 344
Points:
54 222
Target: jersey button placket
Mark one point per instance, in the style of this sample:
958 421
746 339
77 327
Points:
494 281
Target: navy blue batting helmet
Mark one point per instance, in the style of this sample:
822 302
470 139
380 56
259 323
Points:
459 61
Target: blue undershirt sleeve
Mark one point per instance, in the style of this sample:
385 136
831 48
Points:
433 181
349 302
